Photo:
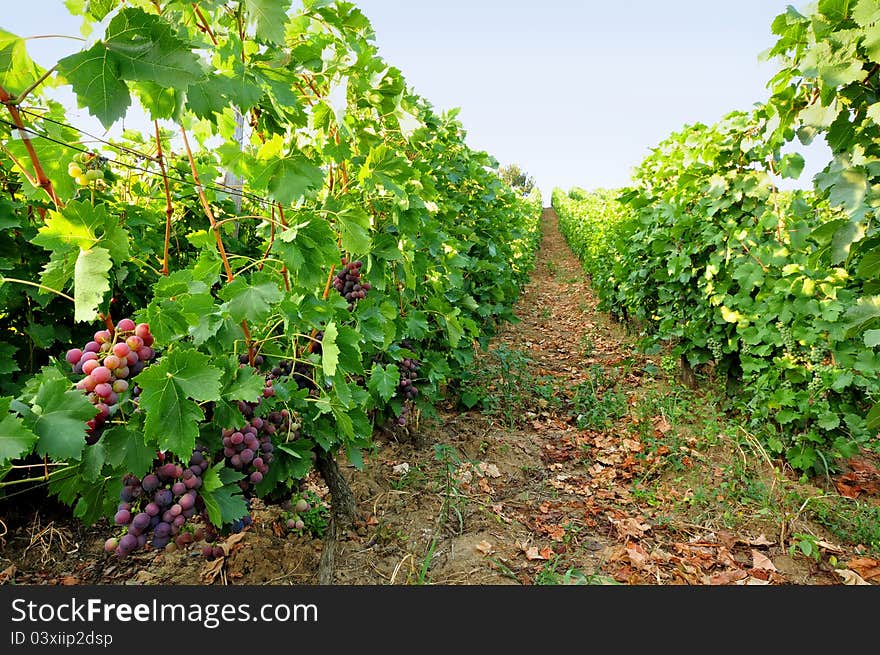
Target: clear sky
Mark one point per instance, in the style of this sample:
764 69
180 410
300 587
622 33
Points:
574 91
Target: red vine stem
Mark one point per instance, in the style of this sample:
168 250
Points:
169 210
203 24
284 266
42 180
216 229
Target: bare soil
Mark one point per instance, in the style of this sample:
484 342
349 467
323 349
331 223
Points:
659 494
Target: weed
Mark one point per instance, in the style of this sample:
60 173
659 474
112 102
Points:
414 477
807 544
588 346
548 575
422 576
502 385
450 462
307 513
593 404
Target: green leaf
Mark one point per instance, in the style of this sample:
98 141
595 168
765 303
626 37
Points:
829 421
835 10
329 349
841 243
246 384
865 311
7 358
93 462
80 225
15 439
251 301
869 266
268 18
59 418
146 48
166 388
454 331
223 499
95 78
873 418
291 178
384 380
68 228
866 12
354 226
872 338
791 166
17 70
90 282
125 449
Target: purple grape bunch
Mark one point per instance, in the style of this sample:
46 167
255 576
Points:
107 364
348 282
156 508
409 373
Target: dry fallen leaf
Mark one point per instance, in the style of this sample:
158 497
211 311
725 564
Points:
851 577
533 554
761 541
485 547
630 527
661 425
637 555
7 573
632 445
761 562
727 577
865 566
829 546
69 580
400 469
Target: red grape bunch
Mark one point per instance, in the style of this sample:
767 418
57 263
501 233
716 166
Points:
159 504
348 283
107 363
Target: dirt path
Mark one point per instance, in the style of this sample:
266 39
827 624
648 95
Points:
582 463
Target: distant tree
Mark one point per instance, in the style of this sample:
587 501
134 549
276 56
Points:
517 178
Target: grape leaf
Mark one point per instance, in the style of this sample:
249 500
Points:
125 449
17 70
383 381
268 18
58 418
94 76
166 388
146 48
329 349
138 47
222 495
93 461
80 225
15 439
287 179
867 12
252 302
354 225
68 228
7 361
90 282
864 312
245 384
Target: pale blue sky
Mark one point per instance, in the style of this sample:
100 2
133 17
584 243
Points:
574 91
